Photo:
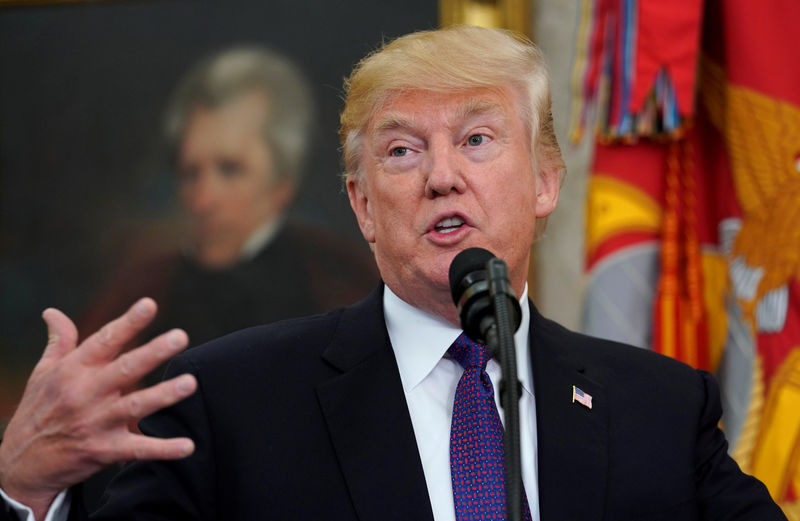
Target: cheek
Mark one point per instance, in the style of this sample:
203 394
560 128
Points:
513 203
260 204
388 201
383 218
247 189
396 219
239 205
395 201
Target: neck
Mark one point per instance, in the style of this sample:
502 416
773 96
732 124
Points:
440 303
436 302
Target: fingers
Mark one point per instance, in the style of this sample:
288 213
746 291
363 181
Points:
107 343
138 404
140 447
132 366
62 335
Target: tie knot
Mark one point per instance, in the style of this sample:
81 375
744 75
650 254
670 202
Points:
469 353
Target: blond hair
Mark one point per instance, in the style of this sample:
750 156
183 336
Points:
447 60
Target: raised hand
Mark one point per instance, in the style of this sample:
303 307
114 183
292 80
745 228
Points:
74 414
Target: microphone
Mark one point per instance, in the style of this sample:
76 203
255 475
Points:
490 314
481 288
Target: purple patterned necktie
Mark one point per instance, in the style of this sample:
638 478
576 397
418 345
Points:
476 440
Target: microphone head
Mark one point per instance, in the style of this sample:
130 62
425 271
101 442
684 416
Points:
469 261
470 289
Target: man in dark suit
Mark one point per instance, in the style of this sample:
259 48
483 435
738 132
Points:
448 144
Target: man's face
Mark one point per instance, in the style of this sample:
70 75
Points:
226 182
446 172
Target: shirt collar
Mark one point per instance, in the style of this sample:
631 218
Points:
420 340
258 240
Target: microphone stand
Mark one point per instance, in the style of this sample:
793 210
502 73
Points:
500 340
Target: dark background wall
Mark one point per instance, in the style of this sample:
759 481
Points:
83 175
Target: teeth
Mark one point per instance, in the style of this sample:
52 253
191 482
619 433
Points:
449 225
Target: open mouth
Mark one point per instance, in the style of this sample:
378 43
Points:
449 225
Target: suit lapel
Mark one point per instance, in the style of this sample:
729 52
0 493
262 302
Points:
371 430
572 439
368 420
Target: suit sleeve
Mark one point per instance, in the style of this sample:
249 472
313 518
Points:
168 490
724 491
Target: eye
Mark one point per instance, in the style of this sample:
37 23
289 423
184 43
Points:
477 140
398 151
229 167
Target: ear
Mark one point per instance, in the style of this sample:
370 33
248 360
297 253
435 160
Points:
548 186
359 202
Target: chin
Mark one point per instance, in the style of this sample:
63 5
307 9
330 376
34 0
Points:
440 276
216 259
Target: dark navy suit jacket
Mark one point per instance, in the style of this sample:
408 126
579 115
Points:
306 420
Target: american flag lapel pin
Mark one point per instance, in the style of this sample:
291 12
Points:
581 397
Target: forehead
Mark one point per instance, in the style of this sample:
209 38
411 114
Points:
421 108
243 113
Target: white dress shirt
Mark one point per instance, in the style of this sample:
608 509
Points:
59 510
420 341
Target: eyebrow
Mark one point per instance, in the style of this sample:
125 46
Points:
393 123
471 108
475 107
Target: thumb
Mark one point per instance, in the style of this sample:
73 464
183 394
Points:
62 335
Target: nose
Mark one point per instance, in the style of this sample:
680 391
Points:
200 194
443 169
